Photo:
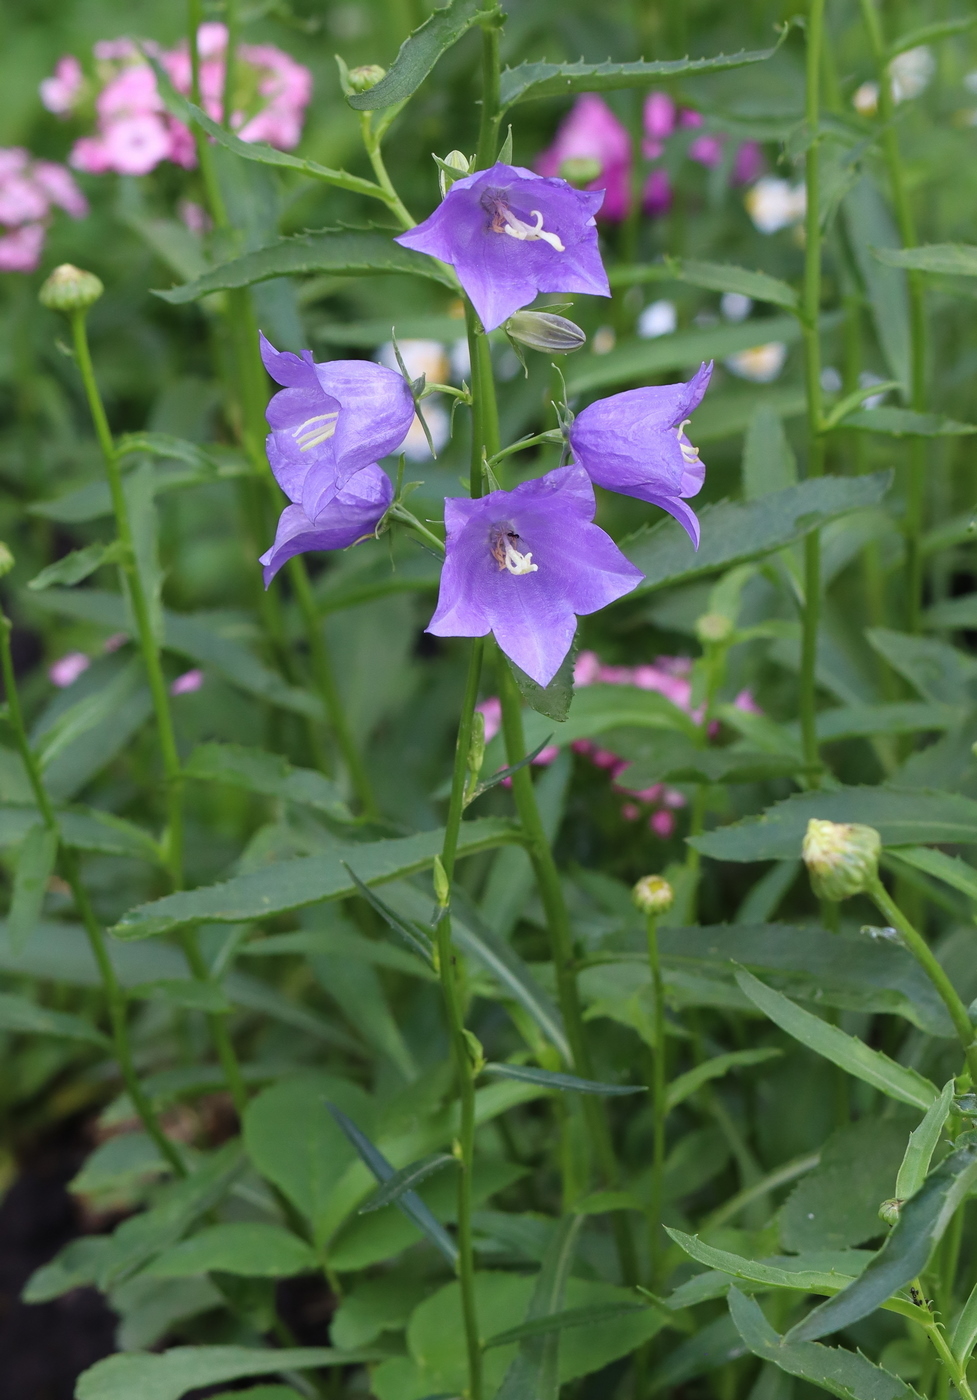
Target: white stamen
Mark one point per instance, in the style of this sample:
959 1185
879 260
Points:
689 453
526 233
504 550
308 435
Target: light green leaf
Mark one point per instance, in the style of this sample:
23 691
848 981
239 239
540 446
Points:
850 1054
20 1016
902 422
547 1079
906 1251
938 671
268 774
171 1374
953 612
418 54
291 884
930 34
76 566
964 1334
85 714
922 1144
533 80
723 277
184 993
950 869
406 1179
341 943
553 700
768 460
870 227
255 1249
897 717
803 1280
950 259
35 865
534 1373
344 252
684 1085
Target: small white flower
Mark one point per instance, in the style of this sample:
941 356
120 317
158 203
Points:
761 363
865 99
910 73
735 306
774 204
658 318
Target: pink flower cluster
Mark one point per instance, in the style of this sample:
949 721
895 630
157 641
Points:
133 130
671 677
29 190
590 131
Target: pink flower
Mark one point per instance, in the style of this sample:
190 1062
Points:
749 164
187 683
491 709
20 251
656 199
586 668
193 216
745 701
57 183
28 190
67 669
90 155
630 812
135 145
659 123
591 131
60 92
662 823
115 641
707 151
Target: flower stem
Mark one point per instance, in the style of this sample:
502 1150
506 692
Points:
232 20
390 196
205 154
926 958
114 994
485 412
658 1102
488 131
464 1068
811 303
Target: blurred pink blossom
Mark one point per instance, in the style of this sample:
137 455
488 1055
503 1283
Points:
115 641
662 823
659 123
187 683
707 151
749 164
60 92
591 131
66 670
29 191
656 198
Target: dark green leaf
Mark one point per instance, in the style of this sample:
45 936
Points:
20 1016
553 700
266 773
340 943
406 1179
906 1251
189 995
870 227
684 1085
772 1275
768 460
951 259
938 671
950 869
76 566
723 277
898 717
953 612
533 80
343 252
255 1249
547 1079
902 422
662 756
418 54
559 1322
534 1373
35 865
415 934
169 1375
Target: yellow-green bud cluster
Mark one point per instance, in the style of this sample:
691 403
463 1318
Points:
653 895
70 289
366 76
842 858
713 627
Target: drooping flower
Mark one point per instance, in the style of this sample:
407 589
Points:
352 514
591 131
509 234
523 564
29 191
635 443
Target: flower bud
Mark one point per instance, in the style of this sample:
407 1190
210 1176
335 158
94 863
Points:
653 895
6 559
442 889
366 76
889 1211
69 289
713 627
579 170
542 330
455 160
842 858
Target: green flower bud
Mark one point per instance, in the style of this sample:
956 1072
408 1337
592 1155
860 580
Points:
579 170
713 627
541 330
366 76
6 559
889 1211
653 895
452 168
442 889
69 289
842 858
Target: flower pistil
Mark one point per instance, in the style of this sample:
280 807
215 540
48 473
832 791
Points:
504 221
310 434
504 550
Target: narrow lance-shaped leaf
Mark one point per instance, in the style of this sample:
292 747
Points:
35 864
24 1017
688 1083
534 1374
950 259
561 1321
76 566
406 1179
418 54
417 938
170 1375
922 1144
548 1079
964 1334
723 277
906 1252
903 422
931 34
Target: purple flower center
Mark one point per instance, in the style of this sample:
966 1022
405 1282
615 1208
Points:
503 542
503 220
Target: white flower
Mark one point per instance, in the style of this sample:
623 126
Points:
761 363
865 99
427 357
910 73
774 204
735 306
658 318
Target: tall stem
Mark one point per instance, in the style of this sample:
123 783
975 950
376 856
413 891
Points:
205 154
232 20
658 1104
115 996
811 303
488 131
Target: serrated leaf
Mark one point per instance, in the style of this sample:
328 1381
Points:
950 259
903 422
340 252
836 1206
35 865
418 54
76 566
669 757
548 1079
20 1016
950 869
255 1249
723 277
905 1253
87 713
171 1374
768 459
256 770
406 1179
964 1334
846 1374
922 1144
850 1054
534 80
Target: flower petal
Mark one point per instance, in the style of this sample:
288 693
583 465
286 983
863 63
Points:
353 512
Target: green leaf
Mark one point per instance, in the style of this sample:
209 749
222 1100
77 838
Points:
414 932
922 1144
547 1079
897 717
930 34
341 252
340 943
850 1054
964 1334
533 80
938 671
902 817
409 1202
733 533
268 774
657 757
553 700
87 713
847 1374
35 865
870 227
186 994
418 54
684 1085
170 1375
84 828
953 612
803 1280
723 277
292 884
20 1016
905 1253
950 259
408 1177
76 566
560 1321
902 422
254 1248
768 460
534 1373
635 361
950 869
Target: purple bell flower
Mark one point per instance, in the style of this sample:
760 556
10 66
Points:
354 512
510 234
635 443
522 563
329 421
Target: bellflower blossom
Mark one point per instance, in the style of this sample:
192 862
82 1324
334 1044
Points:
509 234
29 191
591 131
330 424
635 443
523 563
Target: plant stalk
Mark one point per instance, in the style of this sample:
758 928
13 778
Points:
658 1104
488 130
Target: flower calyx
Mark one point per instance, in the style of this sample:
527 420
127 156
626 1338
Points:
653 895
842 858
454 166
366 76
70 289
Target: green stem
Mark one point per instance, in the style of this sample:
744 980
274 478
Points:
232 20
485 413
924 955
957 1371
205 153
401 513
115 996
811 304
550 436
488 130
218 1025
390 196
658 1103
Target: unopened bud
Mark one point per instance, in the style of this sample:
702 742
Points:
6 559
889 1211
842 858
442 889
653 895
542 330
455 161
366 76
579 170
713 627
69 289
476 1051
476 747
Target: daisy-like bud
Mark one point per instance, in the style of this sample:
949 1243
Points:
366 76
653 895
6 559
842 858
542 330
70 289
713 627
889 1211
